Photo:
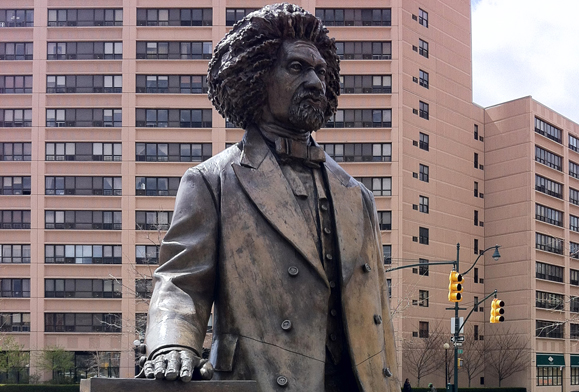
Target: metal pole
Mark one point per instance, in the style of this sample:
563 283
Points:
456 328
446 370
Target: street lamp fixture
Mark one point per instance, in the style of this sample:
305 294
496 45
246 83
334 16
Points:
446 347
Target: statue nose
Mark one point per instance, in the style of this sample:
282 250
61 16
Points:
314 82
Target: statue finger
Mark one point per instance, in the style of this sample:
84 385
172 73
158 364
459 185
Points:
149 369
160 366
187 365
206 371
173 365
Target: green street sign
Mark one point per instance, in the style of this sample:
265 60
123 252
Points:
460 351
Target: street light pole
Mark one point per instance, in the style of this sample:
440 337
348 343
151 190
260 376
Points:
446 347
456 328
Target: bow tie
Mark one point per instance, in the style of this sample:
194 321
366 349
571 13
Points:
293 150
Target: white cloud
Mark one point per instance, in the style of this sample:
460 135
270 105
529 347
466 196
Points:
526 47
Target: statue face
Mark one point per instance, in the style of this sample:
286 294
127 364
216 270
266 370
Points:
296 88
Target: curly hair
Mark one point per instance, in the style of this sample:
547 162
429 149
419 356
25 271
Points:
244 57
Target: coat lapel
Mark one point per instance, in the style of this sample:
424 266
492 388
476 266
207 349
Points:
262 179
349 215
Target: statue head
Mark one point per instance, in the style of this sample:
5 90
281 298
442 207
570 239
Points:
243 62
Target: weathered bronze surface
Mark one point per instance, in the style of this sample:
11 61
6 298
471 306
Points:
144 385
273 233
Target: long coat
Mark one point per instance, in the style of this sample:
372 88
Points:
237 233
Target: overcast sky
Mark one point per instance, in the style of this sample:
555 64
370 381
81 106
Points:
527 47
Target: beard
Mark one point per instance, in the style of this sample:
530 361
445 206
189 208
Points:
303 115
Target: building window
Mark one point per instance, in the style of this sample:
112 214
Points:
355 16
385 220
423 329
84 50
83 151
366 84
14 322
548 187
475 132
359 152
475 247
423 268
172 84
15 219
423 172
475 277
83 322
549 215
15 118
83 254
573 276
548 243
423 143
548 158
16 18
83 220
82 288
574 304
549 300
547 130
389 284
15 84
573 169
423 204
475 334
174 16
575 335
574 196
14 254
153 220
380 186
575 370
423 78
573 250
186 50
156 186
573 143
174 118
85 84
475 308
15 151
387 253
105 186
143 288
173 152
574 223
361 118
475 217
423 17
423 48
550 375
423 235
147 254
423 298
549 329
364 50
554 273
15 185
423 110
85 17
84 118
16 51
234 15
88 364
15 288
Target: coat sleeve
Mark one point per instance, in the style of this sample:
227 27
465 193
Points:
184 284
389 338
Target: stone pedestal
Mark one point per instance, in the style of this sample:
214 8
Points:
148 385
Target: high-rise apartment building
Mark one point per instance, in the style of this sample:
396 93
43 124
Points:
103 107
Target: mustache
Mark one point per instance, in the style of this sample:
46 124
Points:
314 95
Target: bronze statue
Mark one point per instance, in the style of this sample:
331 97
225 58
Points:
273 233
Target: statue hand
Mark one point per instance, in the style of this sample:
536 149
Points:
178 364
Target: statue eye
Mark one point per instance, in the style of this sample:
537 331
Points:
295 66
321 72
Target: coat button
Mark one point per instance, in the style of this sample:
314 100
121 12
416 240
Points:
286 325
387 372
377 319
334 312
332 284
327 230
293 270
324 207
333 337
282 381
367 267
329 256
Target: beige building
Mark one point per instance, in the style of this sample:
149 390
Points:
103 108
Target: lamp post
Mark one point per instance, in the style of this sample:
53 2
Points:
446 347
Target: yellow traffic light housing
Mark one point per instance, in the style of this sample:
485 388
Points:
460 363
497 311
455 287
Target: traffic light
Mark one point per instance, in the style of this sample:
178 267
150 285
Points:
455 287
497 311
459 363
